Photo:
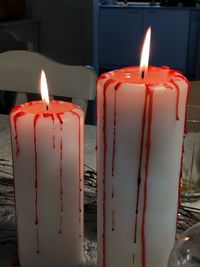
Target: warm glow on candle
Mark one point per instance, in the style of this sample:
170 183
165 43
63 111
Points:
44 88
145 52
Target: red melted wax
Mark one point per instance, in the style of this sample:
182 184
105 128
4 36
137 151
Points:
140 162
61 171
47 115
106 85
147 111
16 117
96 148
117 86
177 98
113 220
148 148
37 116
80 179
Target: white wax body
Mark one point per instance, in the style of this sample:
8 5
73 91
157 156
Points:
57 239
164 165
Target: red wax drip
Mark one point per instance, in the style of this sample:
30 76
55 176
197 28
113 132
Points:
113 192
16 108
16 117
103 76
140 161
36 180
117 86
59 117
177 98
113 220
61 180
60 231
96 147
54 138
46 115
187 98
148 147
106 85
168 86
36 169
80 180
61 171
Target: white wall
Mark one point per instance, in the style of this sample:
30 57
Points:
66 28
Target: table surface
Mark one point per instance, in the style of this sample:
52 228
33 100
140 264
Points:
7 215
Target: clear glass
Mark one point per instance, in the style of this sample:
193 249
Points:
186 251
190 185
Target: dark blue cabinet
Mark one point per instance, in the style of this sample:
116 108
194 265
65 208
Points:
194 47
170 35
120 35
175 37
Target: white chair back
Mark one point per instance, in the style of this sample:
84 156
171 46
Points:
20 72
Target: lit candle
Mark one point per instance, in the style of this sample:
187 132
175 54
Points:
141 118
47 148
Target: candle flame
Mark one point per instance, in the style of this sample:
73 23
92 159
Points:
145 52
44 88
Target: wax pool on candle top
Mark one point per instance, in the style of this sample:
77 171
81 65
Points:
140 133
47 150
152 76
39 107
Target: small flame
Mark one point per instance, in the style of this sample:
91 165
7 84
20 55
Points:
44 88
145 51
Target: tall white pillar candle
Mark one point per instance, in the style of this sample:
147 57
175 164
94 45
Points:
47 147
140 135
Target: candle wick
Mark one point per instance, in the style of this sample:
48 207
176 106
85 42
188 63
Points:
142 74
47 107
